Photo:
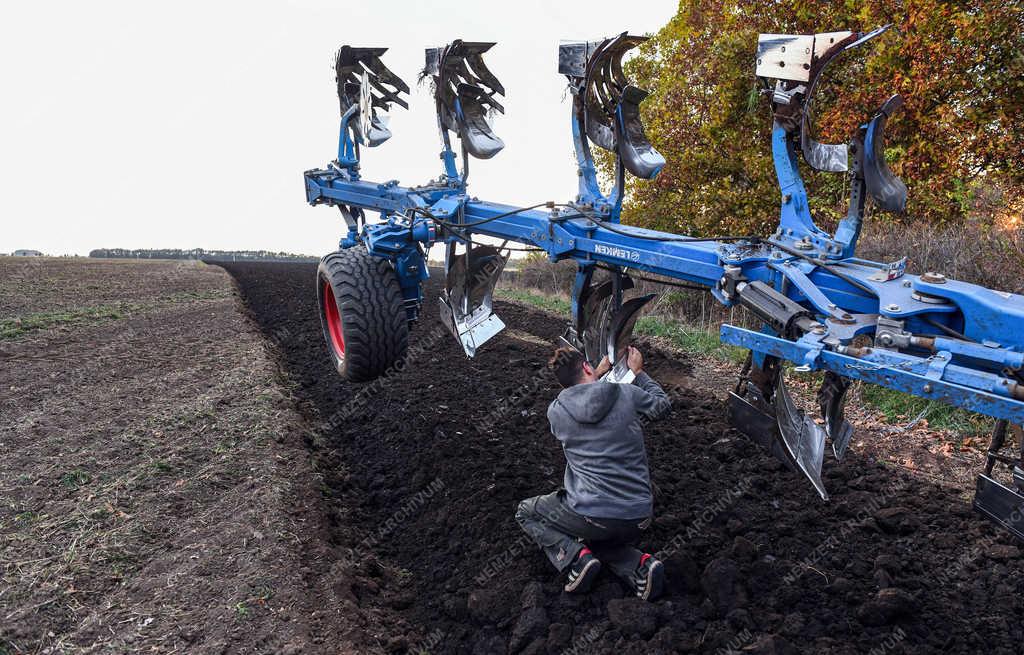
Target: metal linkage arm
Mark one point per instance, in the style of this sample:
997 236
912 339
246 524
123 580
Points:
934 378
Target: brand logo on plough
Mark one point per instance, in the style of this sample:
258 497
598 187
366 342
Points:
620 253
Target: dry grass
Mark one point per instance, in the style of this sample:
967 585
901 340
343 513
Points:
970 251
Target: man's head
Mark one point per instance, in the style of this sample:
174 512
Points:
571 367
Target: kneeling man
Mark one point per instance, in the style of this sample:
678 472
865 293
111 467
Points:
606 500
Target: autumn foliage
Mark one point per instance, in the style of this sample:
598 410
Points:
959 65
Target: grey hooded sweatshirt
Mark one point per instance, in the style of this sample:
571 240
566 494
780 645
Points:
600 427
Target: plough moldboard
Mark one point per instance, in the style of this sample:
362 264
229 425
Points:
822 308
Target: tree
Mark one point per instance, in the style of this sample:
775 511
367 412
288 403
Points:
959 66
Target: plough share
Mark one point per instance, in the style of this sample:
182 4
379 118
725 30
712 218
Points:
822 308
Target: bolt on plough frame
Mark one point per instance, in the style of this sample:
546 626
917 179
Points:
822 308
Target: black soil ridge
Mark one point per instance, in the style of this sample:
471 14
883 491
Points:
438 456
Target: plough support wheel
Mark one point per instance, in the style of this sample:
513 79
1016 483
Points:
361 313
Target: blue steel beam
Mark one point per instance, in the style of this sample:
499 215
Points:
975 391
983 314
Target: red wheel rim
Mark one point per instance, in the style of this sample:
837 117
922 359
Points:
333 317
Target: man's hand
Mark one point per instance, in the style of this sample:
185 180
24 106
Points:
603 367
635 360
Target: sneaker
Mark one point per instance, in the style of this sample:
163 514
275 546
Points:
583 572
649 579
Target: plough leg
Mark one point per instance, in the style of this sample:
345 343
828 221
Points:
1003 504
762 408
832 401
466 306
803 439
602 323
621 322
750 408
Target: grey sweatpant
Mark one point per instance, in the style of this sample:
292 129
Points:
562 534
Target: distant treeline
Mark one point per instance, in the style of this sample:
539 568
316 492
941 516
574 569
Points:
199 253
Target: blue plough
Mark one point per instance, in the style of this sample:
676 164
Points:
822 308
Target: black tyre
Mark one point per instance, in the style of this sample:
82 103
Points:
362 313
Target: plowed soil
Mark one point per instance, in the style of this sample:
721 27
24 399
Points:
421 474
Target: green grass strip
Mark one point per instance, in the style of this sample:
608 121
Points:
541 301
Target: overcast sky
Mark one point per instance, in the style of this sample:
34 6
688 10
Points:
189 124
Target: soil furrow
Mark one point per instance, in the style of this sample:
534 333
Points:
439 454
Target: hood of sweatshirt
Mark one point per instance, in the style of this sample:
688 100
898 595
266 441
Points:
588 403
